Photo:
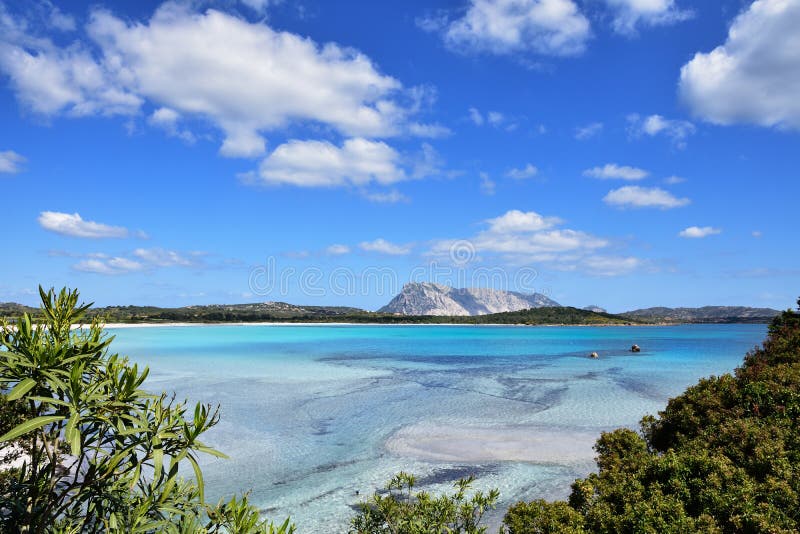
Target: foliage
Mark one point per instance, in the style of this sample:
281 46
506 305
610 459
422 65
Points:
102 455
271 312
540 517
723 457
401 511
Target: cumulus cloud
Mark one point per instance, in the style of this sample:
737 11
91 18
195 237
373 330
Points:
518 238
10 162
381 246
697 232
245 78
613 171
143 259
73 225
545 27
754 77
322 164
643 197
515 221
629 15
168 120
588 131
163 258
675 129
116 265
528 171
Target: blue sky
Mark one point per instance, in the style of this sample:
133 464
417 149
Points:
626 153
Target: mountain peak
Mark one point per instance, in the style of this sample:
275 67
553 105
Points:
427 298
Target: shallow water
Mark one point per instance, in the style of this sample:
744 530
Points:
311 414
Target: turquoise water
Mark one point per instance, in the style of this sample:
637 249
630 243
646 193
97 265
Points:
312 414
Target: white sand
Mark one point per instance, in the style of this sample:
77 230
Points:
486 444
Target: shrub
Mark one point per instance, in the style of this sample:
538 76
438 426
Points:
401 511
101 454
722 457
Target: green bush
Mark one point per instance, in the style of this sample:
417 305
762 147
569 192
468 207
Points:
102 455
722 457
401 511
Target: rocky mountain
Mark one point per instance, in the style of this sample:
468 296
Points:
420 298
706 314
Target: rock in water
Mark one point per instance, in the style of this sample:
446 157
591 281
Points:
422 298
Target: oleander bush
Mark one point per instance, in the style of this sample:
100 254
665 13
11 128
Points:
723 457
401 510
99 453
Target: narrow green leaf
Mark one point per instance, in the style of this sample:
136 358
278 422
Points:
198 474
21 389
33 424
158 457
212 452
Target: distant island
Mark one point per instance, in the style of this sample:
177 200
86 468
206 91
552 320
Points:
422 304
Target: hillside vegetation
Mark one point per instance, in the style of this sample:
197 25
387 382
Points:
282 312
705 314
723 457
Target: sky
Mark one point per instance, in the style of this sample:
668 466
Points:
621 153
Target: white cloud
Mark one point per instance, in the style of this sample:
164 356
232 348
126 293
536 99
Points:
10 162
387 197
754 77
696 232
143 259
337 250
756 233
323 164
259 6
528 171
587 132
643 197
611 265
677 130
521 238
116 265
50 80
672 180
167 119
245 78
492 118
495 118
73 225
630 14
381 246
515 221
61 21
432 131
476 117
613 171
547 27
163 258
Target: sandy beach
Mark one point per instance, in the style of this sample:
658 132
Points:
533 444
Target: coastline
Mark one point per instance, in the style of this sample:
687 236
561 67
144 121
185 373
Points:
320 323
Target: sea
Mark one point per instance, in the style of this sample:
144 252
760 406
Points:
316 418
